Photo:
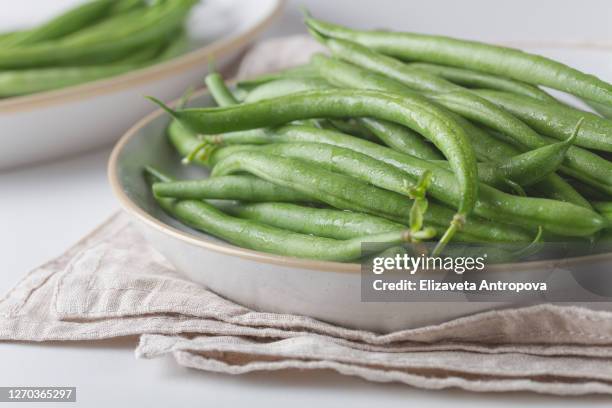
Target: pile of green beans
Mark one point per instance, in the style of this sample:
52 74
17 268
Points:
395 137
98 39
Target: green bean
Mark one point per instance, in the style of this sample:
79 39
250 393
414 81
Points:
554 216
221 94
502 61
603 110
556 120
474 79
64 24
425 119
335 159
401 138
298 72
324 222
243 188
154 25
351 127
524 169
271 89
605 209
528 168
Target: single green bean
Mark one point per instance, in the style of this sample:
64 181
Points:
491 149
474 79
243 188
14 83
401 138
605 209
222 95
502 61
535 165
298 72
324 222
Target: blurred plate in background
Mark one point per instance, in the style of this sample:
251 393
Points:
53 124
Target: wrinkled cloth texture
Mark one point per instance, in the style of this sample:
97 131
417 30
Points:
113 284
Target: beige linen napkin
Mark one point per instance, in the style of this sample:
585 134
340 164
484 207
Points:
113 284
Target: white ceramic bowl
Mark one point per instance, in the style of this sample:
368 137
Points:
52 124
328 291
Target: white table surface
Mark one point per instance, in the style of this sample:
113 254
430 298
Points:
44 209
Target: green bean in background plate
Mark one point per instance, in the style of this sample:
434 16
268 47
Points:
26 81
502 61
154 24
64 24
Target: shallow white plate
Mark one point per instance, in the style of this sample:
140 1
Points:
328 291
57 123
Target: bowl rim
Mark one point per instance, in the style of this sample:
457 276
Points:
218 48
229 249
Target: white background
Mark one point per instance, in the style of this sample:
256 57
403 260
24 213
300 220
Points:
44 209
